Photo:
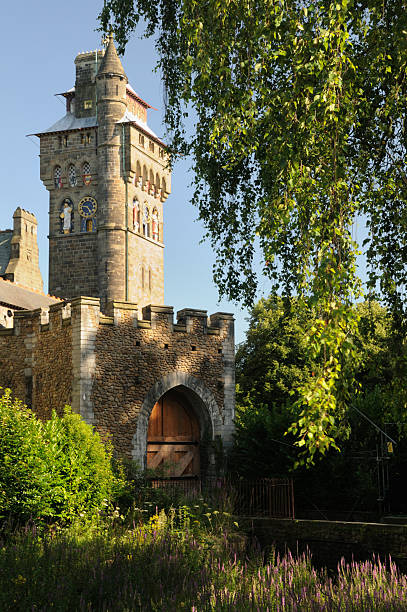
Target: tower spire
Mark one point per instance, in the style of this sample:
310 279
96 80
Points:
111 63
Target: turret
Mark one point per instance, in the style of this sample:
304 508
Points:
82 102
23 266
111 84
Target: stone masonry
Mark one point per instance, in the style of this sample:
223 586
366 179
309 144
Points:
23 264
120 257
113 369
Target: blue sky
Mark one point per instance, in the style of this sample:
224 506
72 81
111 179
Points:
40 42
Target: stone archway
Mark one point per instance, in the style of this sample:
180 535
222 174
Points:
174 437
199 397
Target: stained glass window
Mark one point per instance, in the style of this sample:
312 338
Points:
58 177
72 175
86 175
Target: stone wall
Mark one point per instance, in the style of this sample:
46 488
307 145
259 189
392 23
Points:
36 359
13 354
135 356
23 267
146 270
52 361
113 368
72 265
328 541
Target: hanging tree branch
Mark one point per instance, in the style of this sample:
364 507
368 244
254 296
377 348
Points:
301 126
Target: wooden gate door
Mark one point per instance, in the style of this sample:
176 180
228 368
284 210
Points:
173 437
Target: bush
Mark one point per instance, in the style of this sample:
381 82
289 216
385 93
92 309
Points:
51 470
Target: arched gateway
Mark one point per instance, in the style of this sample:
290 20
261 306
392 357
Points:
173 437
178 414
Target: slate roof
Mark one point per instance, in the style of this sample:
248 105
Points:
5 249
128 117
23 299
69 122
134 94
111 63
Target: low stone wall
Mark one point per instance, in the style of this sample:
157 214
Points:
329 541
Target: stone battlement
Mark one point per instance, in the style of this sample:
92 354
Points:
86 55
112 368
188 320
25 214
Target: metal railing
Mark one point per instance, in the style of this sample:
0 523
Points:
268 497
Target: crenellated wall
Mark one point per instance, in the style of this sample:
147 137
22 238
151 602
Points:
113 368
36 358
135 355
23 264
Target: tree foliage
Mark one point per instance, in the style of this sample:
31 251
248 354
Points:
300 128
50 470
274 362
270 362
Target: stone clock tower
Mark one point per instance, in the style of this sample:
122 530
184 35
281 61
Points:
107 176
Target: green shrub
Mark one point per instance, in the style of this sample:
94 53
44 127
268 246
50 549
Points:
51 470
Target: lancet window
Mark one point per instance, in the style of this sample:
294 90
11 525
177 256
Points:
58 177
72 175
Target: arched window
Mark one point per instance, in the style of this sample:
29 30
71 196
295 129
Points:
146 221
136 215
157 185
58 177
163 188
155 225
86 175
138 179
88 226
72 175
145 179
151 188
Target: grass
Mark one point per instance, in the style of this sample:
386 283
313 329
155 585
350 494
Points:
190 559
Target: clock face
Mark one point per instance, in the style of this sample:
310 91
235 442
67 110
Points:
87 207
